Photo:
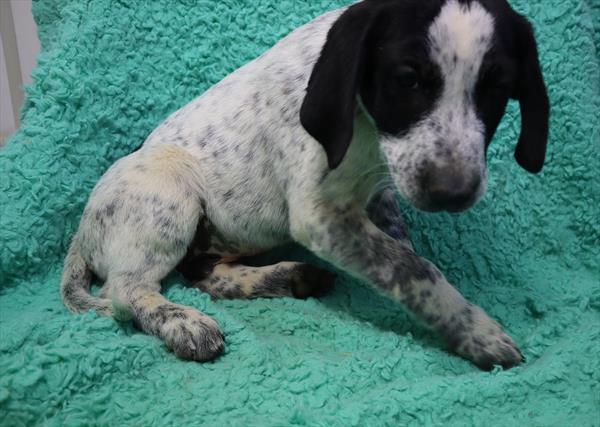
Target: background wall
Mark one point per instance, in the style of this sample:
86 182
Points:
18 52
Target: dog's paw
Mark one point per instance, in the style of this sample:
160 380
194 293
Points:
482 340
311 281
193 336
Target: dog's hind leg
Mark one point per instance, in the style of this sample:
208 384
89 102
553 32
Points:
284 279
188 332
135 289
140 222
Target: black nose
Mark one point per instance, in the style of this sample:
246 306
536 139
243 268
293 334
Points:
450 189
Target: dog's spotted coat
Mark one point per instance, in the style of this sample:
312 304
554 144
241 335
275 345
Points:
303 144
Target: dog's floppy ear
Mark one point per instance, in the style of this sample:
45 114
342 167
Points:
531 93
328 109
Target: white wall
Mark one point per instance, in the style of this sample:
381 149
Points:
7 122
18 52
27 40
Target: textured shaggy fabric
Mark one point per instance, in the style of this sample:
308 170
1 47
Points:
112 70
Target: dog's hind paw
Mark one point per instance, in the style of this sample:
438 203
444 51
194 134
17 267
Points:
193 336
311 281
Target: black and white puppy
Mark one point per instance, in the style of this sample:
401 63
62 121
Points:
295 146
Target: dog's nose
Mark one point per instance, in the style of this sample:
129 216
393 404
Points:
450 189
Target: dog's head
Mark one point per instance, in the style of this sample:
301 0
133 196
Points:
434 76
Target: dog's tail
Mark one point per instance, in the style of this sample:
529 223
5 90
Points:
75 286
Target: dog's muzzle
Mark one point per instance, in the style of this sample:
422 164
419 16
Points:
448 189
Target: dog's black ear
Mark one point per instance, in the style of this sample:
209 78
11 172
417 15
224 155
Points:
328 109
531 93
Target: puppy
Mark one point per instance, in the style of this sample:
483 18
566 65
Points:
297 145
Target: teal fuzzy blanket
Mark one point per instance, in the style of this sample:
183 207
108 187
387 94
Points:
529 253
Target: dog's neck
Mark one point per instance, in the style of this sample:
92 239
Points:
363 172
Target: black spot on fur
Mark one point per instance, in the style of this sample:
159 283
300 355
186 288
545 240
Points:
228 194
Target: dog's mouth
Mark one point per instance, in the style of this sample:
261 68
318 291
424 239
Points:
448 190
429 200
452 206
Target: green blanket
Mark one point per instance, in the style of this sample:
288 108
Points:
112 70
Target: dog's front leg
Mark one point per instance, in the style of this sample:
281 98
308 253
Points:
384 211
347 238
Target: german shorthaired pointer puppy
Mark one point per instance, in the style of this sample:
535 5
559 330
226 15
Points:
305 144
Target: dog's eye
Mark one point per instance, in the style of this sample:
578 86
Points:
407 77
